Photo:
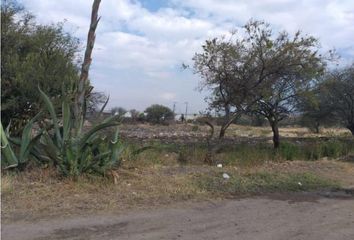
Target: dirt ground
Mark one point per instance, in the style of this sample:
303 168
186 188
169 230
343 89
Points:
294 216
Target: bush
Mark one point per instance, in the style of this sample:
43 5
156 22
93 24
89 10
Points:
158 114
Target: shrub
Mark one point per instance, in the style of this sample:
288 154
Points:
158 114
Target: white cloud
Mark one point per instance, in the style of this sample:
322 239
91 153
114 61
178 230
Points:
168 96
138 52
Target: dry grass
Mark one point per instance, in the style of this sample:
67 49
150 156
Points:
288 132
41 194
32 196
155 177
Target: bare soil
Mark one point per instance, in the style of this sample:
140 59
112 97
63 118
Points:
290 216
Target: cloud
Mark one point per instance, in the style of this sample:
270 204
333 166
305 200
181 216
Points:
139 52
168 96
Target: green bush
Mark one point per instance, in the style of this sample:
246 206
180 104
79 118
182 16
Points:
158 114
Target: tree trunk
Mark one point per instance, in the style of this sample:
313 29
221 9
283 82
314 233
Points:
351 128
222 132
317 127
276 137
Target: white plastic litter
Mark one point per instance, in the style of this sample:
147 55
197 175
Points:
219 165
299 183
225 176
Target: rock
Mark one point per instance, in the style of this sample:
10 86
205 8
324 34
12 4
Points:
225 176
219 165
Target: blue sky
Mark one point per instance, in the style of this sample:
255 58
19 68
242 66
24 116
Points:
141 45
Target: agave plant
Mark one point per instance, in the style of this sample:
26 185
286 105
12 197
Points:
25 145
75 153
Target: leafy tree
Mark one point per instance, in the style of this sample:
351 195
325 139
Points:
258 72
315 109
158 114
338 92
33 55
286 67
227 70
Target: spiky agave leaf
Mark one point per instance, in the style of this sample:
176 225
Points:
67 121
116 148
26 141
9 158
53 115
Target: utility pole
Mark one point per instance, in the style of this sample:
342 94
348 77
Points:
186 109
174 107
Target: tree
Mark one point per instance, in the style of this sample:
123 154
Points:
227 69
315 109
33 55
287 66
134 114
94 101
258 72
158 114
338 91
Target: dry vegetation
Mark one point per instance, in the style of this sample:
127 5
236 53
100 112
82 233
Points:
157 176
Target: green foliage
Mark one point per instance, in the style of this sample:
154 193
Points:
158 114
289 151
59 144
32 55
79 153
23 146
337 90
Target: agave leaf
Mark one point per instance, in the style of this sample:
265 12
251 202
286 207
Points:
52 113
16 141
66 120
26 138
92 133
116 148
29 149
114 118
9 160
50 148
7 130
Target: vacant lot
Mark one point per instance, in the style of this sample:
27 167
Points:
159 172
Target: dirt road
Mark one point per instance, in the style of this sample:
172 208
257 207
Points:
277 217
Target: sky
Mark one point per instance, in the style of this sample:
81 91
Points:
141 44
